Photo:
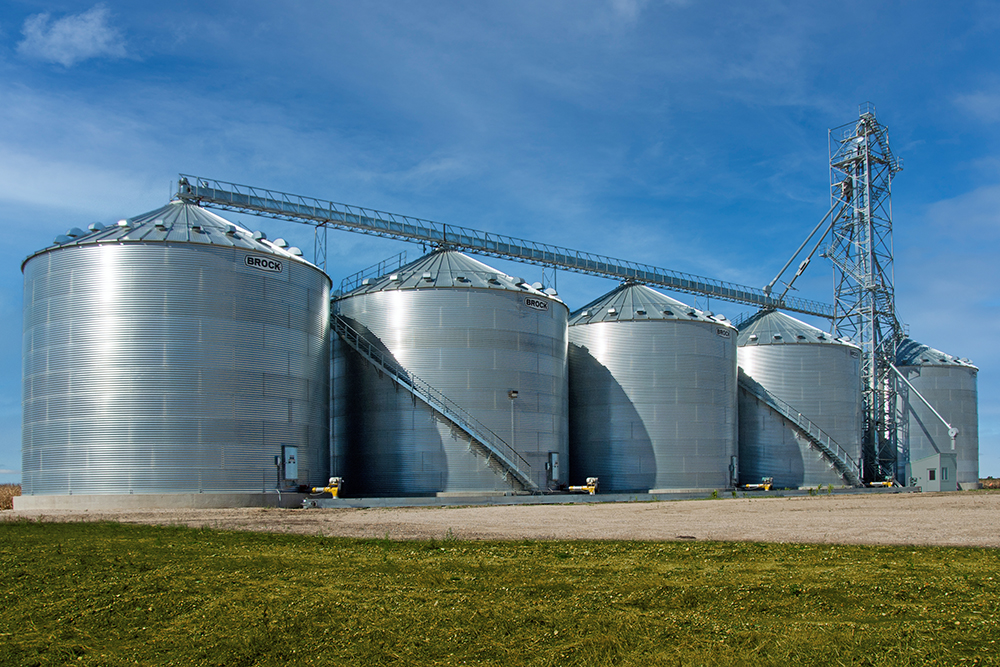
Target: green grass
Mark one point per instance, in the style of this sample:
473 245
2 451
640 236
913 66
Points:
112 594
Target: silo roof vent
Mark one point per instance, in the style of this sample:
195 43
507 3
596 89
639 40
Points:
911 353
447 269
770 327
632 301
178 222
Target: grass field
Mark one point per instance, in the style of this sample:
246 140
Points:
113 594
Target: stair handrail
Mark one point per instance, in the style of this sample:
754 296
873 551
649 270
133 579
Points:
508 456
838 455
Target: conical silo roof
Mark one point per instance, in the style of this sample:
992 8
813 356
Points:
177 222
447 268
911 353
769 327
635 302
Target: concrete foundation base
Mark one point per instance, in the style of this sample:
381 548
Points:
140 501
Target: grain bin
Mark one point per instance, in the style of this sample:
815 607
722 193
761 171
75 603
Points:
492 345
795 378
173 353
949 384
652 393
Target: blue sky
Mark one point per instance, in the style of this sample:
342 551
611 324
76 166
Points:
691 135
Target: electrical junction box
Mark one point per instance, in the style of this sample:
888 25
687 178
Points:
290 463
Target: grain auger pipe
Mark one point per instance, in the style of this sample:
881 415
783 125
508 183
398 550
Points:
590 487
952 431
332 487
765 485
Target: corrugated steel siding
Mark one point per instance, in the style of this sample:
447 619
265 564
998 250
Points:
158 368
953 392
653 404
472 344
821 381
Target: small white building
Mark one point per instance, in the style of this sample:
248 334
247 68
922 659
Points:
937 472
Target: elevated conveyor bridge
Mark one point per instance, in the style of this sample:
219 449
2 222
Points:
326 215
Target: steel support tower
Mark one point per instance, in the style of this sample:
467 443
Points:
861 170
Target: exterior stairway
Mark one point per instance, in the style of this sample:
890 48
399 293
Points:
498 449
834 453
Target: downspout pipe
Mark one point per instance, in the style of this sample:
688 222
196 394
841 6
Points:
952 431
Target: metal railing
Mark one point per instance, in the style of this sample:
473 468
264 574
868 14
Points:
328 214
355 280
845 464
506 456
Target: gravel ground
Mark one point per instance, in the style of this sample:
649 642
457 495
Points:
953 519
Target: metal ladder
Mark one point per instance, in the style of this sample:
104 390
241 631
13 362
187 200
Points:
834 453
508 458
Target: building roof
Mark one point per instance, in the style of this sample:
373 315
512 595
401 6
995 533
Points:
911 353
177 222
444 268
635 302
769 327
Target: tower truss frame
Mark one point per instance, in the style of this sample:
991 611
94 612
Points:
862 167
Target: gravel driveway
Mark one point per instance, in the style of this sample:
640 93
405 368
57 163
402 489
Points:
969 518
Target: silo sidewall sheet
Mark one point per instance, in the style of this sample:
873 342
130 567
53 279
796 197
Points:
953 392
653 404
474 345
820 381
158 368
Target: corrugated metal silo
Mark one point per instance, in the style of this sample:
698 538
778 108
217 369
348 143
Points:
949 384
172 353
475 335
652 394
804 373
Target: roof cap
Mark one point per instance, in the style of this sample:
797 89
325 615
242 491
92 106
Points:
177 222
635 302
769 327
445 268
911 353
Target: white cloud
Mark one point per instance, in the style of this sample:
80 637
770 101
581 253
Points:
7 471
71 39
983 105
628 9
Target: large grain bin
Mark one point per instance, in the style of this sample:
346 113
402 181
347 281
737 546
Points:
652 394
949 384
173 353
806 373
491 344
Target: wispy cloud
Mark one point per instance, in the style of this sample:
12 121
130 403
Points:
7 471
984 105
628 9
73 38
